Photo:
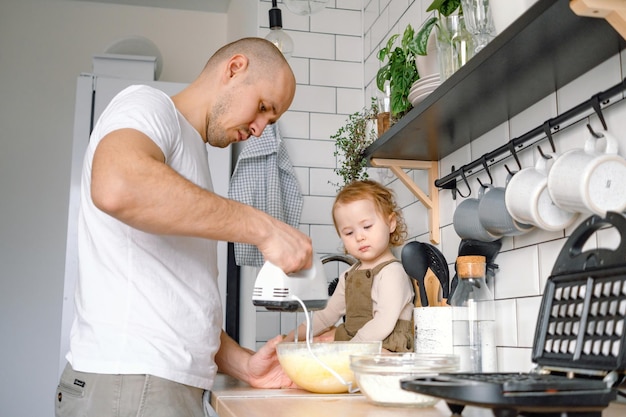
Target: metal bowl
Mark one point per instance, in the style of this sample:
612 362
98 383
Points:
378 376
304 368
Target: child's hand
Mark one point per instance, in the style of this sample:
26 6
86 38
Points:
289 337
327 336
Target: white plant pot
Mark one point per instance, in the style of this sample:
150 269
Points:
505 12
428 64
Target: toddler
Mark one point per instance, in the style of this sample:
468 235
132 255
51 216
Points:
375 295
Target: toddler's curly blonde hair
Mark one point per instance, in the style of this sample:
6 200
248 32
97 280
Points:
383 199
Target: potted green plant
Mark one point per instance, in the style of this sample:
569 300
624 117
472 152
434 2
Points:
399 70
442 8
399 67
351 140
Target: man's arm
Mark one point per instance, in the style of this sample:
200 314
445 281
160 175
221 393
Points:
131 182
260 369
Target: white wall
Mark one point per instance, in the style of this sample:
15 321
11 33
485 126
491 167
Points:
242 19
44 46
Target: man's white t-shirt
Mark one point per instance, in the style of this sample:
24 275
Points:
146 303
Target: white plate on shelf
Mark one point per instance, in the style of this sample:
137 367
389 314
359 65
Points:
428 78
419 98
423 81
424 88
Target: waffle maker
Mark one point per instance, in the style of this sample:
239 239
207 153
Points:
579 346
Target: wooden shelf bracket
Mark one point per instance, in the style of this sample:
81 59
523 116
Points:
614 11
430 200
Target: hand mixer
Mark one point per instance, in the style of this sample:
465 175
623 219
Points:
275 290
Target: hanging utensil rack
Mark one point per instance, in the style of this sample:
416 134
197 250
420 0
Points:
541 132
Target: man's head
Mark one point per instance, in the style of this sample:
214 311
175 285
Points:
255 87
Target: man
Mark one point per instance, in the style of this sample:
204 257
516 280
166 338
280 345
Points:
147 337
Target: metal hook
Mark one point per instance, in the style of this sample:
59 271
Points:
511 173
543 155
483 160
595 103
548 131
511 147
450 185
594 133
469 189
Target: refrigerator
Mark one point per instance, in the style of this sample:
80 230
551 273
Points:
93 93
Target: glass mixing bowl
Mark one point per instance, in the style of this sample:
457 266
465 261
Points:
378 376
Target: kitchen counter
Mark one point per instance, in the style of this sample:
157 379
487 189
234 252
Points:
232 398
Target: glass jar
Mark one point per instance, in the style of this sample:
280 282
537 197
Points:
473 317
455 44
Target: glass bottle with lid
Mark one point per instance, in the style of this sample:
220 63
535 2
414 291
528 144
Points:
473 317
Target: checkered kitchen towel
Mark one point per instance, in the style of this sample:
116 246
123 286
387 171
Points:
264 178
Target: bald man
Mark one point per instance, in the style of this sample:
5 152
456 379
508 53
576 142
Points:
147 336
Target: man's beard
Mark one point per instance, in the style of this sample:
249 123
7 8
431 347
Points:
215 133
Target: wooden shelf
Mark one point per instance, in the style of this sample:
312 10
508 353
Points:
546 48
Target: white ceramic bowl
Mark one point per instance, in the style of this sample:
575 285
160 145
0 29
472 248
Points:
303 368
379 375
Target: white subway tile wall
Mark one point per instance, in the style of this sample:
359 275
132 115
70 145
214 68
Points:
336 63
506 328
316 210
527 314
314 98
514 359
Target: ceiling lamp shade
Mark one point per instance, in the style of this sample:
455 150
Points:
304 7
277 35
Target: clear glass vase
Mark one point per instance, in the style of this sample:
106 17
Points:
479 21
455 44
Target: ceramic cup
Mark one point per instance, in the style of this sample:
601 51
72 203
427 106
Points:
494 215
528 201
590 180
467 223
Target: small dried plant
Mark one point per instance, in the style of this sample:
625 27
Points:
351 140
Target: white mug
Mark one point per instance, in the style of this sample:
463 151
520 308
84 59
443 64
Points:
528 200
467 223
495 216
590 180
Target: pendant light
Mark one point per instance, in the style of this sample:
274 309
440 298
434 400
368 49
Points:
277 35
304 7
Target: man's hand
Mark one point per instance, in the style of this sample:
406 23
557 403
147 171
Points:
264 369
287 248
259 369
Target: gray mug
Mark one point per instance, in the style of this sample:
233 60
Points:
495 216
467 223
